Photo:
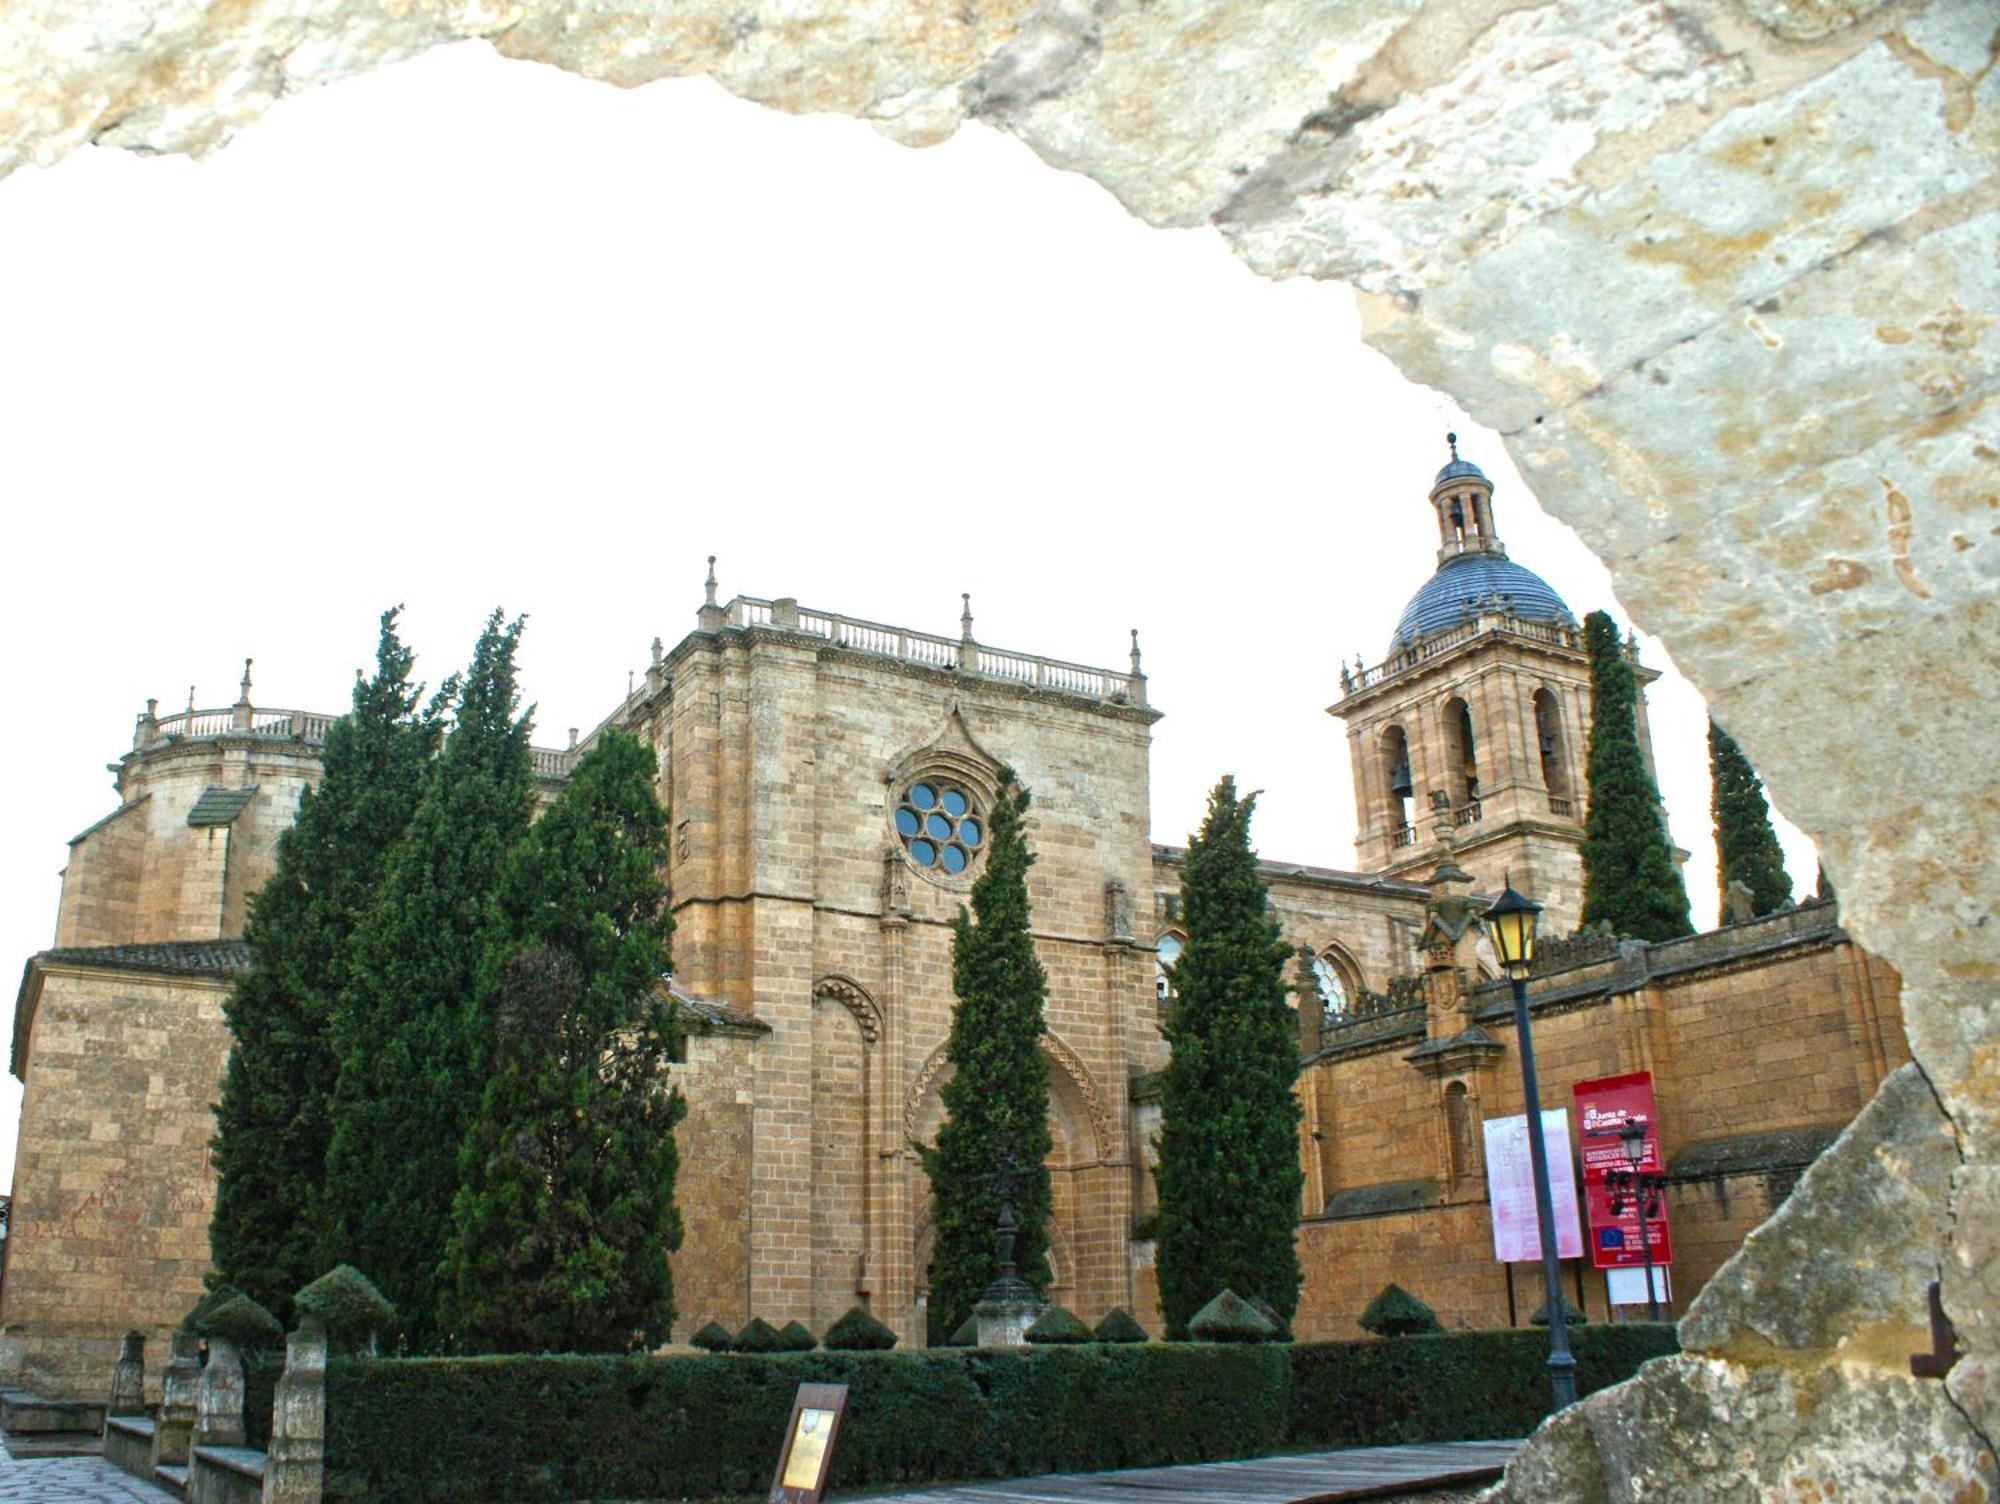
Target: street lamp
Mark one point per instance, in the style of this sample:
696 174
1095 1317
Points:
1633 1137
1510 923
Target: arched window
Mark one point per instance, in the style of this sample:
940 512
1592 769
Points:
1549 740
1396 775
1338 982
1169 952
1464 752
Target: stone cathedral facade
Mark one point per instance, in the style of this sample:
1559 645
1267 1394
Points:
827 779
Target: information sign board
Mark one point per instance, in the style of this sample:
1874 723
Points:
808 1451
1603 1107
1510 1186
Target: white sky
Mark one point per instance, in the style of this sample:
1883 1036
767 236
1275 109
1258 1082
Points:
471 332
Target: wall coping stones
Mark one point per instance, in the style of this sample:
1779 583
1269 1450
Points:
1747 1153
1390 1198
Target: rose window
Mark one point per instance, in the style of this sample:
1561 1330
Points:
940 826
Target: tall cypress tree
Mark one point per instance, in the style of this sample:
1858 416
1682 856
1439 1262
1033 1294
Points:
997 1101
1229 1175
273 1122
1746 847
1630 881
565 1210
410 1053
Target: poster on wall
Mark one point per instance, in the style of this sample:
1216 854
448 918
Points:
1603 1107
1510 1185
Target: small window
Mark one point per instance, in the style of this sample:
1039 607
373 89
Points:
1163 978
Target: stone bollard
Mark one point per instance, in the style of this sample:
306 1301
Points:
219 1408
128 1377
180 1400
294 1463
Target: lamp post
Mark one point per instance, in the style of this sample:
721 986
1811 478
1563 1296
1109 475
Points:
1510 923
1633 1137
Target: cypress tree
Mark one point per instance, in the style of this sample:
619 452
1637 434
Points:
565 1209
1630 882
406 1025
1746 847
1229 1175
997 1100
273 1122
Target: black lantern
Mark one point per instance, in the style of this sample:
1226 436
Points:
1511 924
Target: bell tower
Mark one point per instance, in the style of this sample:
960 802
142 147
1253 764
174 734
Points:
1477 721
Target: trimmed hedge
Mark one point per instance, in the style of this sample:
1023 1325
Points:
1459 1386
1056 1326
1395 1312
470 1430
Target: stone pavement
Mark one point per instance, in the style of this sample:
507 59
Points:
72 1480
1316 1478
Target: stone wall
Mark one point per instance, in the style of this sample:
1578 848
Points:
1779 1024
112 1188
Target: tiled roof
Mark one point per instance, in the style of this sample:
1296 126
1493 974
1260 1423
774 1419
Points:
181 958
218 806
1469 583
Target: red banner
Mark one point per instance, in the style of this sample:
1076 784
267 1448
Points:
1603 1108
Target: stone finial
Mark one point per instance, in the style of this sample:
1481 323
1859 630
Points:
572 738
239 719
659 651
968 652
128 1377
180 1385
1452 440
294 1462
1135 685
708 586
1135 653
219 1397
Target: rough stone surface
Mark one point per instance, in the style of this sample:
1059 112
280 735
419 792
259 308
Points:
1723 274
1845 1264
1704 1431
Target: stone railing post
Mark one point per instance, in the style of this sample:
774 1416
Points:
180 1400
219 1407
294 1463
128 1377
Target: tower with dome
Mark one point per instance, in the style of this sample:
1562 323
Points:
1471 732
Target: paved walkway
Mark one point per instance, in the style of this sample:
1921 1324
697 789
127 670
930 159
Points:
71 1480
1317 1478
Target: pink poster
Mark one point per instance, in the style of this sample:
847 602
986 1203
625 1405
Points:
1510 1185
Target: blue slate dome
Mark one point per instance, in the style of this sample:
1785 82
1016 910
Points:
1456 467
1463 585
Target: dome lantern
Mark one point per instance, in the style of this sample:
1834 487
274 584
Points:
1463 499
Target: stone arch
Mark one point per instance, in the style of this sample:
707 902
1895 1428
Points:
1068 1073
854 997
1535 292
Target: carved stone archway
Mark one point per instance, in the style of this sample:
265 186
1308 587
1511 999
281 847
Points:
1721 273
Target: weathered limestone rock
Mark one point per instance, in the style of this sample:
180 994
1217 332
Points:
1722 273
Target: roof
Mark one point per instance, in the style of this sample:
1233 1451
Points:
219 806
219 960
179 958
1469 583
1455 468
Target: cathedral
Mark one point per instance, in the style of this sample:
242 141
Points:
827 779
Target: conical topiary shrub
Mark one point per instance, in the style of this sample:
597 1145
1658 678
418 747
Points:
1056 1326
1571 1315
714 1338
242 1321
1230 1318
796 1338
1397 1313
758 1336
1119 1325
967 1334
1281 1328
347 1303
196 1320
857 1331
